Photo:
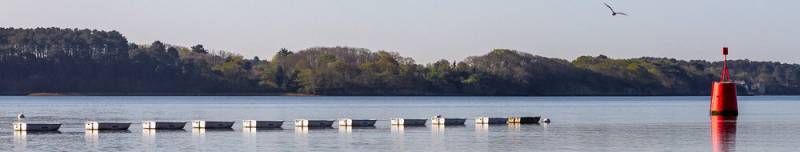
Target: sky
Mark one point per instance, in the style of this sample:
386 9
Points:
429 30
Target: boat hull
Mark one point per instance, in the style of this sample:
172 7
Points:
36 127
261 124
524 120
409 122
357 122
107 126
448 121
487 120
163 125
212 124
313 123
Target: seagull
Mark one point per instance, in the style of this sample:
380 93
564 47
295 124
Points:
613 13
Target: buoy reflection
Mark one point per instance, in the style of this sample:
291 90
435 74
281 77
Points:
723 133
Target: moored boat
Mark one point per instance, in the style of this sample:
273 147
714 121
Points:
357 122
94 125
488 120
212 124
439 120
313 123
524 120
21 125
163 125
262 124
408 122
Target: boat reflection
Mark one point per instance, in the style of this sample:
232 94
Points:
437 129
481 128
20 140
347 130
723 133
93 136
149 137
397 129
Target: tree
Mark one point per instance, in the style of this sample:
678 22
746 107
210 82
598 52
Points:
199 49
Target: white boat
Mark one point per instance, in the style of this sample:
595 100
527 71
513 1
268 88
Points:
21 125
357 122
212 124
488 120
94 125
439 120
313 123
524 120
163 125
408 122
262 124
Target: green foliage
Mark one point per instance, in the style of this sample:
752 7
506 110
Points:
91 61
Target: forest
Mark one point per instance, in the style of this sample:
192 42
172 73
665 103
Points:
93 62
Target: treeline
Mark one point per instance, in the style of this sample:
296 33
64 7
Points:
55 60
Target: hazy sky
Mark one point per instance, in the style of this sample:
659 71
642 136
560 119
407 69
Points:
429 30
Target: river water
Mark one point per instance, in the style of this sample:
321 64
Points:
765 123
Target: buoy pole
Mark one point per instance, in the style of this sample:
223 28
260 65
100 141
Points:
723 93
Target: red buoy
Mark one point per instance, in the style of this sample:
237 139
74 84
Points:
723 93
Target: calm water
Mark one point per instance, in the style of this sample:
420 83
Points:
579 124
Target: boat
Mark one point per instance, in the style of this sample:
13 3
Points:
163 125
262 124
439 120
408 122
94 125
357 122
212 124
21 125
313 123
488 120
524 120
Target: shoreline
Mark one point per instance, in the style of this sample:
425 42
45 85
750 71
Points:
45 94
154 94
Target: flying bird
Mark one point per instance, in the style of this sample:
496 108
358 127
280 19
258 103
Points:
614 13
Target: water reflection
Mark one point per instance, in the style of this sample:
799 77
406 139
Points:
515 127
723 133
20 140
481 128
301 131
301 138
397 129
249 139
347 130
198 137
437 129
93 136
438 138
247 132
149 139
